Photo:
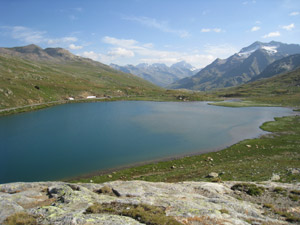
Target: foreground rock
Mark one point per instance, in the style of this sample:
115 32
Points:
186 202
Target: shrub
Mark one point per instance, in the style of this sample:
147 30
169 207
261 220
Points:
250 189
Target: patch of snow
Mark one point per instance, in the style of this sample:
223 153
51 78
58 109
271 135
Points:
91 97
270 49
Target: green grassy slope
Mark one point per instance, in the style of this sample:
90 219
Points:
283 89
21 78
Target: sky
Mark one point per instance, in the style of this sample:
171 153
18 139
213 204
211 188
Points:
149 31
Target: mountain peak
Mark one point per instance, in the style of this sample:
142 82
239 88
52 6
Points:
32 48
182 65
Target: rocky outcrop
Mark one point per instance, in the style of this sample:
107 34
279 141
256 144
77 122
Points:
186 202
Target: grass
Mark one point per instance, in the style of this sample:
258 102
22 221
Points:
20 218
143 213
249 160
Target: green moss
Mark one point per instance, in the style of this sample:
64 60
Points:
143 213
20 218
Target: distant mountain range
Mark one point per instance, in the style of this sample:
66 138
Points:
238 68
30 75
159 73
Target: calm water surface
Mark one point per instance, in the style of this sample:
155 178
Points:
73 139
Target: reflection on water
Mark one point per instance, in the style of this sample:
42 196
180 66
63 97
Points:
69 140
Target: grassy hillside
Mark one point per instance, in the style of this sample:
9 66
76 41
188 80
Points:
24 82
283 89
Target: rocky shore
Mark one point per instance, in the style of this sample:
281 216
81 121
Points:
139 202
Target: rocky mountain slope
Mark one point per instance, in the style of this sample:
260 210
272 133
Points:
159 73
139 202
31 75
238 68
281 66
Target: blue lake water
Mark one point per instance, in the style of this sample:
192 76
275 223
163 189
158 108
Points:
74 139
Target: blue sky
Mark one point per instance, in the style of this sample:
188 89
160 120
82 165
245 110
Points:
151 31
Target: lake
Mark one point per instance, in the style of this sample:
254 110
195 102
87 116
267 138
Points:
74 139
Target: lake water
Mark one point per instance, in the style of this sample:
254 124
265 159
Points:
73 139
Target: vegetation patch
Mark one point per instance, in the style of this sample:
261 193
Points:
143 213
250 189
20 218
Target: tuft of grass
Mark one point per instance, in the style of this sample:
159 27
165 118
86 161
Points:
294 198
279 190
224 211
250 189
20 218
143 213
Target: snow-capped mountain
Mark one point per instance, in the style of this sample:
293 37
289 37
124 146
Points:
159 73
238 68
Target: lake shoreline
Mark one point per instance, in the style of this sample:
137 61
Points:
247 160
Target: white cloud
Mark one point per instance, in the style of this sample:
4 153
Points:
272 34
120 52
72 17
206 30
91 55
124 50
255 28
249 2
220 51
294 13
31 36
119 42
160 25
61 40
25 34
75 47
288 27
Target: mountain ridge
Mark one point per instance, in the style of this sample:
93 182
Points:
239 68
159 73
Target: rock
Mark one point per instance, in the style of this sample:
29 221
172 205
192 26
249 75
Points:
209 159
108 190
183 201
109 176
212 175
275 177
249 146
173 167
294 171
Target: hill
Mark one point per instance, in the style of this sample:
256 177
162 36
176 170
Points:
282 89
238 68
31 75
159 73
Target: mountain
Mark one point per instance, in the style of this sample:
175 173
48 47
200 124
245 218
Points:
282 89
30 75
284 65
159 73
238 68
